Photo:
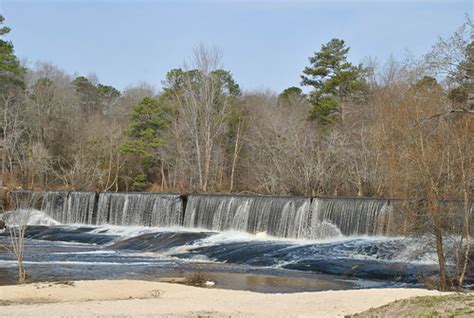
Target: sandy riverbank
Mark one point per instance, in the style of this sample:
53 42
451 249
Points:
143 298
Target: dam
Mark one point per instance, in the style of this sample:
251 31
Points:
350 242
278 216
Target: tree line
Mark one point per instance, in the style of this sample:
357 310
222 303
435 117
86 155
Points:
403 129
351 134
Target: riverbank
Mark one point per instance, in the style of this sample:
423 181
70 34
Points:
459 305
144 298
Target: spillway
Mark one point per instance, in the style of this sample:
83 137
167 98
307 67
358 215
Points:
279 216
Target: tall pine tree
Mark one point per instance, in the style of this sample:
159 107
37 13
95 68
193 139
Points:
148 121
333 79
11 71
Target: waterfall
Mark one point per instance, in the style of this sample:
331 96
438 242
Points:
146 209
70 207
354 216
245 213
288 216
21 199
277 216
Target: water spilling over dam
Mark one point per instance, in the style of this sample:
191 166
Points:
90 208
146 209
308 218
69 207
285 217
354 241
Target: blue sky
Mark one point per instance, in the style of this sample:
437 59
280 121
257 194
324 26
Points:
265 44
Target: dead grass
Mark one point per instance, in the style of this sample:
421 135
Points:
197 279
26 301
455 305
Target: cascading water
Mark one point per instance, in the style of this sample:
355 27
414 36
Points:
273 215
21 199
287 216
355 231
146 209
354 216
69 207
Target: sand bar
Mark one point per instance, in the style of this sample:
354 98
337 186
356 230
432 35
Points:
124 298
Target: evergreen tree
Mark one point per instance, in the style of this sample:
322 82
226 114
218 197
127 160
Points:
107 91
149 119
88 94
11 71
333 79
292 96
94 99
11 85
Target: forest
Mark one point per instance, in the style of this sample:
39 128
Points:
399 129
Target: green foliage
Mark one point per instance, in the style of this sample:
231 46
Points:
88 94
177 79
11 71
149 119
225 80
288 95
93 98
324 110
333 78
290 91
228 90
139 182
199 96
108 91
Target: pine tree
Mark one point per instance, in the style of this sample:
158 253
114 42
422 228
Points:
333 79
149 119
11 71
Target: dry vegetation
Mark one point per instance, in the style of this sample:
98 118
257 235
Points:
403 136
458 305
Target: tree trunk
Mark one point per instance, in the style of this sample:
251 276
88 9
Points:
21 273
360 191
234 158
198 159
4 144
467 234
164 184
443 286
207 164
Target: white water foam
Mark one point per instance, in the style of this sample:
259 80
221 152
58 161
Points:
126 231
27 217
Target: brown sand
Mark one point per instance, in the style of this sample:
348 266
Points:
126 298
